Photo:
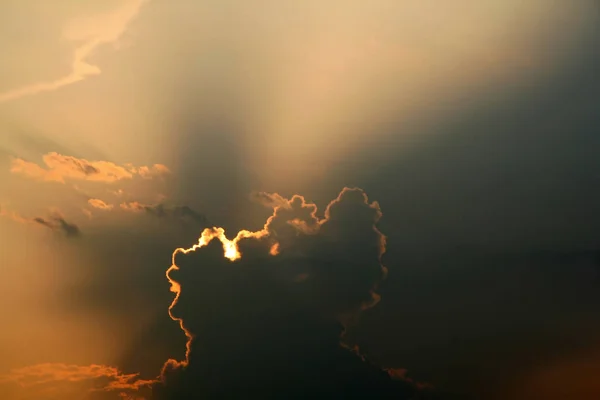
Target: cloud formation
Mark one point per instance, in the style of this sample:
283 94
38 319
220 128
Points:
94 32
62 381
264 312
256 329
59 168
183 213
100 204
270 200
157 170
55 222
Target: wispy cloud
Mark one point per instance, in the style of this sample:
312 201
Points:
60 167
164 211
102 30
55 222
13 215
58 223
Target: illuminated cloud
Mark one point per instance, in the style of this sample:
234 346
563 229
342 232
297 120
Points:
157 170
60 167
269 323
62 381
93 32
100 204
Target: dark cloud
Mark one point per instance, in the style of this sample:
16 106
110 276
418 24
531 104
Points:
256 330
58 223
183 213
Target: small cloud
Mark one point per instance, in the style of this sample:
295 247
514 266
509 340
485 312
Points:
133 206
100 204
282 295
58 223
165 211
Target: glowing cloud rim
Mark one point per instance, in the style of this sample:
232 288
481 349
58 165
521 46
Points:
232 252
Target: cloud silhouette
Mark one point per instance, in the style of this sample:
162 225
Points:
58 223
264 312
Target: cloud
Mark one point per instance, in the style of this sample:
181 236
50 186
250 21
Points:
183 213
55 222
94 32
264 323
59 224
100 204
60 167
62 381
264 313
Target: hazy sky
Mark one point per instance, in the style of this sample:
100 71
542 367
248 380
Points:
129 126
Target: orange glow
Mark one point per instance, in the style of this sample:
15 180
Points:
133 206
274 250
57 380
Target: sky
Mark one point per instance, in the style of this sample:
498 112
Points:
283 198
